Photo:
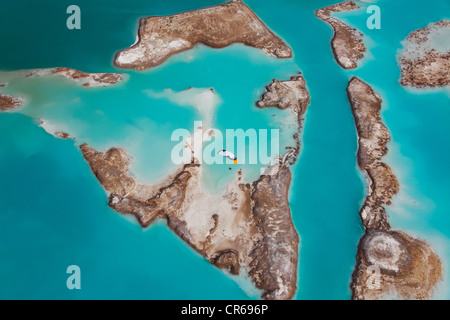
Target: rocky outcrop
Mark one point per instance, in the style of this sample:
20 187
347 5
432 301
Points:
347 42
9 103
389 262
372 139
274 257
422 65
217 27
286 94
63 135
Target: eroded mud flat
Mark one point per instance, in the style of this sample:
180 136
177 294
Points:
246 229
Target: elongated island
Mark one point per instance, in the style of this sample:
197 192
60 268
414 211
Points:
404 267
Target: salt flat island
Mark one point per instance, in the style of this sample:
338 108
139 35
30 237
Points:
408 268
347 42
246 230
425 58
219 26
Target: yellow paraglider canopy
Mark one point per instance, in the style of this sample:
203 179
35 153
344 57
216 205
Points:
228 154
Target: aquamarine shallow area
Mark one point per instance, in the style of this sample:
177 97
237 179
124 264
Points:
53 212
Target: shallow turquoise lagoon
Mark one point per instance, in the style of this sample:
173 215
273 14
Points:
53 212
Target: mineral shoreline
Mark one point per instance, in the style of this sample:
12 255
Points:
347 45
219 26
247 229
408 267
428 67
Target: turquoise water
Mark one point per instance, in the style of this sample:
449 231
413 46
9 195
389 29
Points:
41 235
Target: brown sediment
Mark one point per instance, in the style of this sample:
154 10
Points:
217 27
248 228
90 79
347 42
275 256
408 267
9 103
428 67
85 79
